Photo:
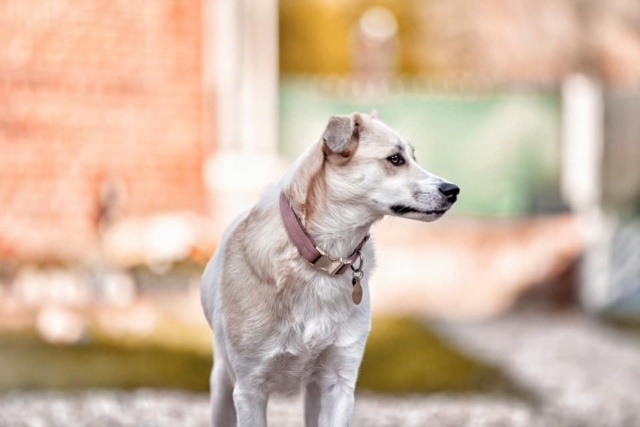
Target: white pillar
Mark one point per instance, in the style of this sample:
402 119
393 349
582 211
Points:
581 183
241 57
601 183
582 143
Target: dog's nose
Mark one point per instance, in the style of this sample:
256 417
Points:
450 191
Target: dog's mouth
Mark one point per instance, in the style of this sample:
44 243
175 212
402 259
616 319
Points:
403 209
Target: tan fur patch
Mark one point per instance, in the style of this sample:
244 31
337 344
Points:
249 293
301 183
315 190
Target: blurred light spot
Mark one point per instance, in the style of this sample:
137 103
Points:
60 326
378 23
119 289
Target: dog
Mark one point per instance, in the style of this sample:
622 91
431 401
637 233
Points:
286 293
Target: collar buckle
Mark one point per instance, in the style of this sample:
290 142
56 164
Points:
329 264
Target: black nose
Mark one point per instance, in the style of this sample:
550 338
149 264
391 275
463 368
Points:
450 191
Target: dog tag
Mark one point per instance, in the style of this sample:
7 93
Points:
357 290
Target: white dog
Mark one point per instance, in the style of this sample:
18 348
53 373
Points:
287 294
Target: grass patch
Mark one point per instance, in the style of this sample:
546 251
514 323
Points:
27 362
404 356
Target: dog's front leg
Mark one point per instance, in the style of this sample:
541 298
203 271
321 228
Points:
338 382
251 406
223 411
337 405
312 396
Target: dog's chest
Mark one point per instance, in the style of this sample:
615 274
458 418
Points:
298 360
312 331
300 355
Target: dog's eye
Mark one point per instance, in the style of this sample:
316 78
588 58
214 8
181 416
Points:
396 159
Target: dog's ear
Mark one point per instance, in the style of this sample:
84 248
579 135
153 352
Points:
342 134
375 115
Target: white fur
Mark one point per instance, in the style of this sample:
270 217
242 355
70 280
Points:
318 344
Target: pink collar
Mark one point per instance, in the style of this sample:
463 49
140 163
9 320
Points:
308 249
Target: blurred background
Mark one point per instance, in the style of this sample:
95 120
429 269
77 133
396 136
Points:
131 133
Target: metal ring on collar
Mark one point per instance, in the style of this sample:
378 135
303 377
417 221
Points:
361 264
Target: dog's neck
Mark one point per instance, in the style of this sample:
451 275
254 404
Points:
335 225
337 232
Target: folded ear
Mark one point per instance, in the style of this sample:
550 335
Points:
342 134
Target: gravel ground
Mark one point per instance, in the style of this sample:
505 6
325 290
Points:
577 372
577 367
162 408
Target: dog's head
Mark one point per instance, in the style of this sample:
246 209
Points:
367 162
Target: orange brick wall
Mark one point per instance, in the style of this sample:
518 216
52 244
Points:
91 91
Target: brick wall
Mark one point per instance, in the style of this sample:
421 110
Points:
96 95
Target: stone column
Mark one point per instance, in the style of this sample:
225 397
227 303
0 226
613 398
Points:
241 57
601 183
